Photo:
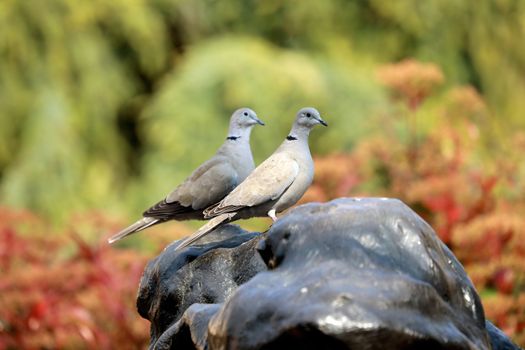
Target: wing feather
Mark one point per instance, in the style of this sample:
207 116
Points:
266 183
207 185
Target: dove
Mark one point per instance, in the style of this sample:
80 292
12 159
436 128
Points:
274 186
209 183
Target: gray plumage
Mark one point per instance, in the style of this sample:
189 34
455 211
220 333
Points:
209 183
274 186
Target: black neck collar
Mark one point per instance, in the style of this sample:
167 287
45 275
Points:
233 138
291 138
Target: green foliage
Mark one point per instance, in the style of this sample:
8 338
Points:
189 116
100 101
63 80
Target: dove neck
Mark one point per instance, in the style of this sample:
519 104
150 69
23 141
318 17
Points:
238 134
299 132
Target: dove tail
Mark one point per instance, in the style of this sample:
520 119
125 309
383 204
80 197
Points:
205 229
136 227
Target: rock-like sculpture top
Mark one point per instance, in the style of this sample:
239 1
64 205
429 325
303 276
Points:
348 274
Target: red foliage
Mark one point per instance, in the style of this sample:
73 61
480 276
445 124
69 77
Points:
475 206
486 232
58 291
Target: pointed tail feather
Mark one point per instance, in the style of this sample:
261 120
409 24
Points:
204 230
136 227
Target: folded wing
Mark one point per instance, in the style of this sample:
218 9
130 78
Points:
266 183
207 185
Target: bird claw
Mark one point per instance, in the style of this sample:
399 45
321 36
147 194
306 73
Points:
271 214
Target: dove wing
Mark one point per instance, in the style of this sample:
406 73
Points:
207 185
266 183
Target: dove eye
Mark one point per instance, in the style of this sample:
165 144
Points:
308 115
245 114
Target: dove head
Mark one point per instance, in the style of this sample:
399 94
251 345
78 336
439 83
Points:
241 124
305 120
309 117
244 118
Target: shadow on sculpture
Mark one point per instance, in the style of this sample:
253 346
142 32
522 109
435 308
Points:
348 274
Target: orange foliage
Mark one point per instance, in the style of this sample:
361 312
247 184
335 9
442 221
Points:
508 313
475 207
486 232
465 101
410 80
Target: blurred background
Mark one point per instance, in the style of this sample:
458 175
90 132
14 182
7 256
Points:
105 106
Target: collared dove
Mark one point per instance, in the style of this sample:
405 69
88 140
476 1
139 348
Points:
210 182
274 186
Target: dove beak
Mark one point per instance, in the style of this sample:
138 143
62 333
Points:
322 122
258 121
